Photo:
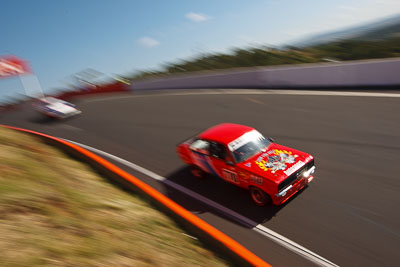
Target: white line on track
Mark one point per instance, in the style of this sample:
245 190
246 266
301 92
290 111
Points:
281 240
250 92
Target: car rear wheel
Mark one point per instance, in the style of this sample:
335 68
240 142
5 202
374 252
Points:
259 196
197 172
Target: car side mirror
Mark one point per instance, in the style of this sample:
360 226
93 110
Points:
271 139
230 163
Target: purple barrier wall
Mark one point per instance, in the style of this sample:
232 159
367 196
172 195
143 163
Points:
342 74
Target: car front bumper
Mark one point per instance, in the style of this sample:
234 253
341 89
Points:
292 189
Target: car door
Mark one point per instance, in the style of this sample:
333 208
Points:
221 162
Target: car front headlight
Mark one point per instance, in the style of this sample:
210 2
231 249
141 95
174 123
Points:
310 171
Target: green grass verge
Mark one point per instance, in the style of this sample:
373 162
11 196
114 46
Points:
56 211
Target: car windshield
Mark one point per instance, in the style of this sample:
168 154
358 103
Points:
248 145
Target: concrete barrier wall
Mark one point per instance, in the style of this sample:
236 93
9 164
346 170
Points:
113 87
342 74
221 79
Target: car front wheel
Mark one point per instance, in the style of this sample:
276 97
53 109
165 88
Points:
259 196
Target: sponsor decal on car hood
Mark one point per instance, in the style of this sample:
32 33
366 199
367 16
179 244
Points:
276 163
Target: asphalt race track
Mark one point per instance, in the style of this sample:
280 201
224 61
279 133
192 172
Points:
349 214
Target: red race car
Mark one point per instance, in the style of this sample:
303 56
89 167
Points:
242 156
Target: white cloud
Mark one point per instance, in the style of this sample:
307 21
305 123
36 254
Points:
148 42
197 17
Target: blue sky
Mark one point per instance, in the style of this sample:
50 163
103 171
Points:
60 38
